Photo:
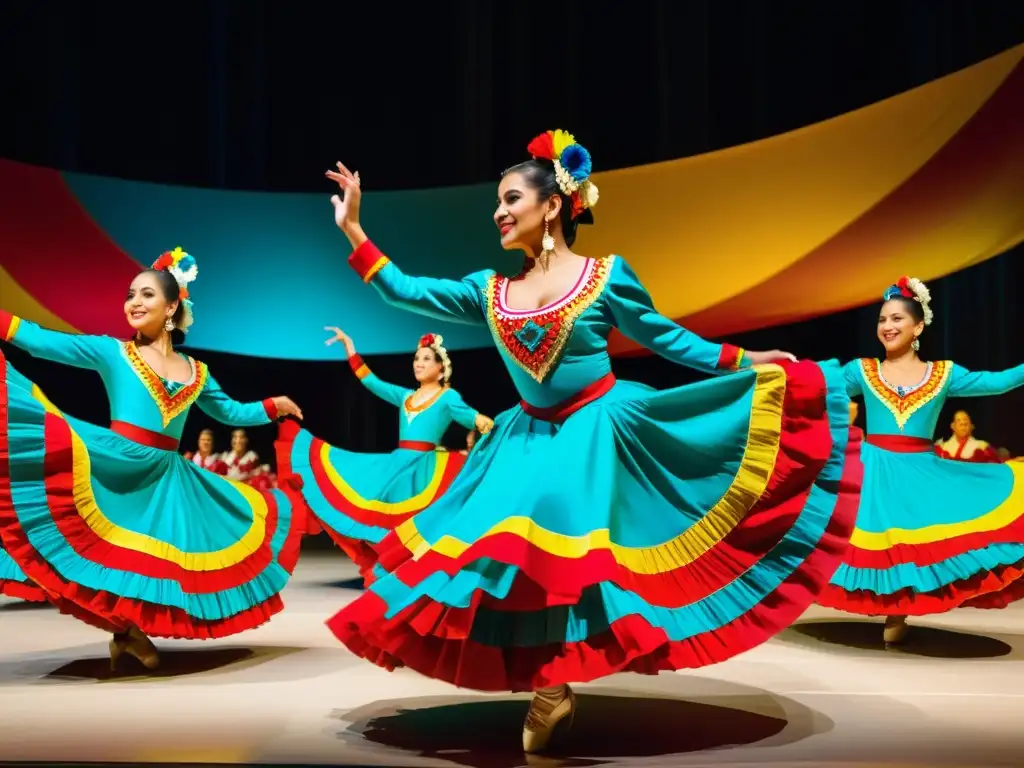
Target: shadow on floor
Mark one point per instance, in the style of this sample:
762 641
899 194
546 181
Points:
485 732
930 642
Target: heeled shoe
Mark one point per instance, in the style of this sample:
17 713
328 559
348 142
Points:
548 708
136 644
896 629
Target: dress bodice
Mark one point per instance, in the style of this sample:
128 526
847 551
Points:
554 352
914 411
138 396
423 421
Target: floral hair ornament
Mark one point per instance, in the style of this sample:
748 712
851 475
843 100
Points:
572 169
913 289
434 342
183 268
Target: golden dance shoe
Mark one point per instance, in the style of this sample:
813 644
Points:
896 629
549 707
134 643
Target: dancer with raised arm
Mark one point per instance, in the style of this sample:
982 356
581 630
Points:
602 526
122 531
359 497
932 534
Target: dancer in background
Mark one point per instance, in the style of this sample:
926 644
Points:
359 497
964 446
122 531
602 526
931 534
205 457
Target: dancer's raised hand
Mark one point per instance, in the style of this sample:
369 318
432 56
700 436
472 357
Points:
346 204
344 338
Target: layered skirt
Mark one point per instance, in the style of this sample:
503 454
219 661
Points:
629 529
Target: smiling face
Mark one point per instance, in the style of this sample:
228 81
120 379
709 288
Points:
521 213
426 367
146 307
897 327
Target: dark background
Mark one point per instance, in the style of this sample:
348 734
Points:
265 96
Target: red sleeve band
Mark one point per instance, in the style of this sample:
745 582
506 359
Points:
359 368
367 261
8 325
730 358
270 408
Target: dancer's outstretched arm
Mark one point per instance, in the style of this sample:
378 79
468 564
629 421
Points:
457 301
635 315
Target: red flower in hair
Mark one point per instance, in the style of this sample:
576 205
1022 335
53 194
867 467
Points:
165 261
427 340
543 146
904 286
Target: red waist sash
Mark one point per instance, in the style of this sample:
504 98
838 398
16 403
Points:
900 443
144 436
416 445
556 414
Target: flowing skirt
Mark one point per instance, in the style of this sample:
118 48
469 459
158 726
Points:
648 531
931 535
358 498
121 534
14 582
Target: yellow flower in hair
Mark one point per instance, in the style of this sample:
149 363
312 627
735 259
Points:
177 255
562 139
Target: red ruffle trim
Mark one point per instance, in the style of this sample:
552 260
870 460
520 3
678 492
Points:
434 639
22 591
992 589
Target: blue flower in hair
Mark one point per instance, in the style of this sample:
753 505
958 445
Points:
576 160
186 263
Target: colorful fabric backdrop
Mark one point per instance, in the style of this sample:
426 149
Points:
793 227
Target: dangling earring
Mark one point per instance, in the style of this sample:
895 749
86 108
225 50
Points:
169 325
915 344
547 245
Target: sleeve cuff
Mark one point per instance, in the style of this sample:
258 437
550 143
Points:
730 358
270 408
367 261
8 325
359 368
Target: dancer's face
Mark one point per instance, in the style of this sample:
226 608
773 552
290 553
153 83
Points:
521 213
146 308
205 444
239 441
425 366
897 328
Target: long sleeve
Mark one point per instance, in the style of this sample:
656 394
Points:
635 315
854 380
67 348
391 393
457 301
461 413
964 383
216 403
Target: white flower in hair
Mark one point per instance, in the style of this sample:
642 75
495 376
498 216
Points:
924 296
589 194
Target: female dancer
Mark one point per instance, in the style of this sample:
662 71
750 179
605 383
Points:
121 530
931 534
602 526
360 497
